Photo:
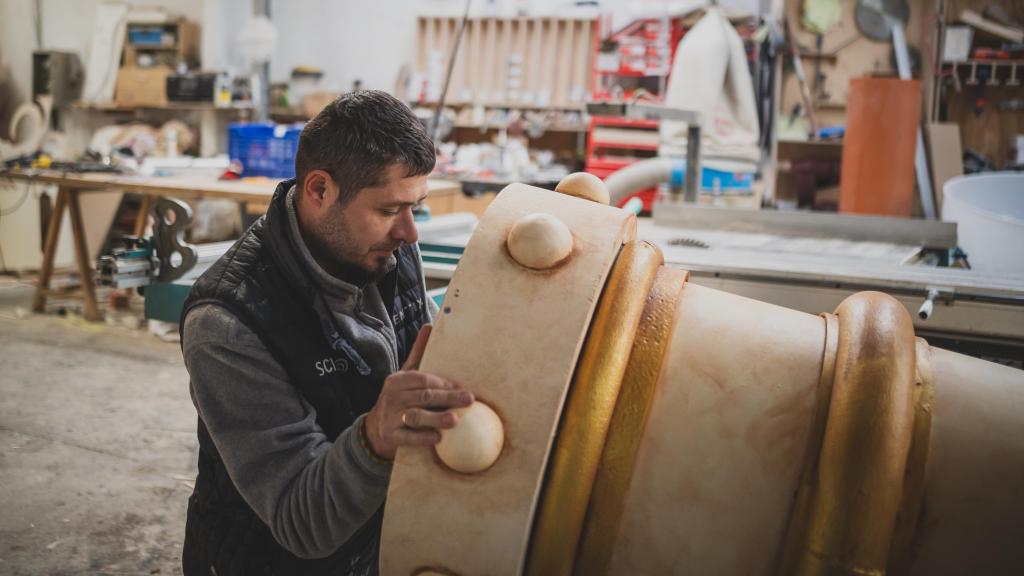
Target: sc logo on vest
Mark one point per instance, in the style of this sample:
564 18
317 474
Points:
331 365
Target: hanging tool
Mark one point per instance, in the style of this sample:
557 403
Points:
798 68
924 182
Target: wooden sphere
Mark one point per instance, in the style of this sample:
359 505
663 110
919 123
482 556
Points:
475 442
539 241
586 186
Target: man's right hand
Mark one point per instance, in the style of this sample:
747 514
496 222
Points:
413 406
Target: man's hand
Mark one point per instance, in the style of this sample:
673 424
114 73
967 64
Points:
412 406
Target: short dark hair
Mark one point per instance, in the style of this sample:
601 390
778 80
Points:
358 136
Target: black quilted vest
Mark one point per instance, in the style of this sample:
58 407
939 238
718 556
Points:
262 282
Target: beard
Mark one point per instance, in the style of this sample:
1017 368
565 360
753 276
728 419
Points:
339 252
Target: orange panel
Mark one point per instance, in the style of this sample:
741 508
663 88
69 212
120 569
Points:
878 152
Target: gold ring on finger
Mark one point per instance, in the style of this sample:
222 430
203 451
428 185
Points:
405 419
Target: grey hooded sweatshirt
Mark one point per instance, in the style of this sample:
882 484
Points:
312 493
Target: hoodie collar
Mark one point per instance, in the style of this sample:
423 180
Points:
291 252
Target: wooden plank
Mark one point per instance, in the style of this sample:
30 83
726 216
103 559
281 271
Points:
92 312
184 188
521 48
531 61
435 81
508 60
930 43
563 73
455 94
580 74
946 156
550 63
421 46
473 75
441 53
440 41
578 30
50 250
499 62
488 62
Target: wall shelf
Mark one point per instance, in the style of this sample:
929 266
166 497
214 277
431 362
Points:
173 106
989 72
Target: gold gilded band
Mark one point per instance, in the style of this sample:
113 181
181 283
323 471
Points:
913 484
793 543
588 411
628 422
858 485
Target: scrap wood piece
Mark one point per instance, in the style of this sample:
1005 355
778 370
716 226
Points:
978 21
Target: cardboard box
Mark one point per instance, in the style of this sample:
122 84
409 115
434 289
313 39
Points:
314 102
141 86
946 156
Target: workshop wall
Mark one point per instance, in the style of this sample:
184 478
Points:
372 41
66 25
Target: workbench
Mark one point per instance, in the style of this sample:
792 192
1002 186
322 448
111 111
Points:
71 186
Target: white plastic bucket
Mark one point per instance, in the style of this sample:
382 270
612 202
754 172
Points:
989 212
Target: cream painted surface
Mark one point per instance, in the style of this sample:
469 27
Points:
973 519
719 463
512 337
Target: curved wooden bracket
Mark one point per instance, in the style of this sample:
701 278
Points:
588 410
853 489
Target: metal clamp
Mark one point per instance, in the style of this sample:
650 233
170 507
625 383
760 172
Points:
927 307
175 257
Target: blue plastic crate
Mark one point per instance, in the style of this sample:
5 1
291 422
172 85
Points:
146 36
264 149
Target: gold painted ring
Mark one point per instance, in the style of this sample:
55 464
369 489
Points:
853 485
588 410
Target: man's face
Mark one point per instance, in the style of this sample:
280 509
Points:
372 225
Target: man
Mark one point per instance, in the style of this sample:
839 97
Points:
294 341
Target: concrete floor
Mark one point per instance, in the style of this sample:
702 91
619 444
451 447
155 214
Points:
97 445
